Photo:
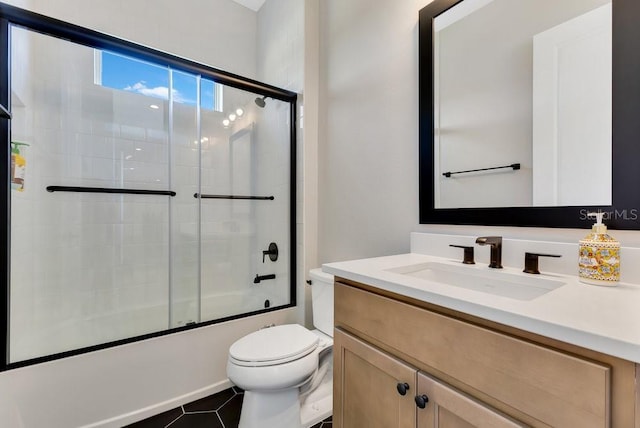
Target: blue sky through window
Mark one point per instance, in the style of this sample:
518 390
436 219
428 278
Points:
129 74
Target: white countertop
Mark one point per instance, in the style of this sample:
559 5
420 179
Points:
604 319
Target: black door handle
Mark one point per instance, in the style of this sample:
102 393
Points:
421 401
402 388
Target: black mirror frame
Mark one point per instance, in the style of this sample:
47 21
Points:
624 213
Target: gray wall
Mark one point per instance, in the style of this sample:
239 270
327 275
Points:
368 151
368 141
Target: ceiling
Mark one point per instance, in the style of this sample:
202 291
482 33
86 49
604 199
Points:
251 4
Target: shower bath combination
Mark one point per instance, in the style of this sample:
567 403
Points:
157 215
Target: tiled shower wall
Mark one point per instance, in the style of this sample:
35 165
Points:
92 268
280 41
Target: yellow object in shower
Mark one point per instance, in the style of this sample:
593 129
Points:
18 166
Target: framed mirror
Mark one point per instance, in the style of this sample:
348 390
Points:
528 112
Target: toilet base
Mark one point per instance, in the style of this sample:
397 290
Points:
271 409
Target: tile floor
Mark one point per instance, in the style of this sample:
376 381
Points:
221 410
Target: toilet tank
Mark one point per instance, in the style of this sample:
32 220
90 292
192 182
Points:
322 300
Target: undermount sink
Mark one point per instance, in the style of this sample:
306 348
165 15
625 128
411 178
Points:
483 279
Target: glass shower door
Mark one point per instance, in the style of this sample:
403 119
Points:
86 267
184 259
145 197
245 206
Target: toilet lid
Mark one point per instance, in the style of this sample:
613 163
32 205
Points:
274 345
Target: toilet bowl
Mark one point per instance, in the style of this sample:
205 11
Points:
281 367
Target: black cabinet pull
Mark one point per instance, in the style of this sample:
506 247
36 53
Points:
402 388
421 401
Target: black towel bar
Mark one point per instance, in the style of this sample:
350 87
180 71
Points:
515 166
109 190
259 198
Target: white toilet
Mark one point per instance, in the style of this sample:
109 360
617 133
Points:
286 371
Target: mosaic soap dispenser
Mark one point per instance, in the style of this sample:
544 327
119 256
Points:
599 258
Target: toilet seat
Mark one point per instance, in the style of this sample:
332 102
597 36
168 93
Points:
273 346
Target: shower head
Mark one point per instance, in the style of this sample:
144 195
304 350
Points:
260 102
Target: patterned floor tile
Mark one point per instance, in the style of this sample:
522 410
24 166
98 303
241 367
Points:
221 410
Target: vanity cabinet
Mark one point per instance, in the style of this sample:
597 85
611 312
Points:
475 373
378 390
449 408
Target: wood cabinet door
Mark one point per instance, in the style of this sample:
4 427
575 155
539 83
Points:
367 384
449 408
552 388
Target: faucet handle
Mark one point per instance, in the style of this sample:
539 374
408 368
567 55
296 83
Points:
531 261
272 252
468 254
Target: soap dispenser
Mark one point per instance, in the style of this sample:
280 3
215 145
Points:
599 257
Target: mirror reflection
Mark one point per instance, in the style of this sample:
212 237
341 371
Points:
522 93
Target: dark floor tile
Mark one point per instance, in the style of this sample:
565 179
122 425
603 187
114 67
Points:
327 423
198 420
212 402
237 389
158 421
230 412
201 413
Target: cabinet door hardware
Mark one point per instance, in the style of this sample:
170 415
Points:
402 388
421 401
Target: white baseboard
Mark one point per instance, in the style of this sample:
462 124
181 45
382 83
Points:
154 409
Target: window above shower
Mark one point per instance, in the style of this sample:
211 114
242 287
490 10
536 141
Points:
125 73
137 206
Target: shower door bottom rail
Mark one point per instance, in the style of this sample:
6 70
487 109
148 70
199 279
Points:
258 198
78 189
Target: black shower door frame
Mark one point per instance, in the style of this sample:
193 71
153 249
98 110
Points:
13 16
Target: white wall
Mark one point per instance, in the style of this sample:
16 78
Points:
368 140
309 121
219 33
280 62
117 386
368 195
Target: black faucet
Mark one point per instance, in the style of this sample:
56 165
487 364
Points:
496 249
259 278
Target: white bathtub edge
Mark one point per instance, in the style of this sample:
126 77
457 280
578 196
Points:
140 414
